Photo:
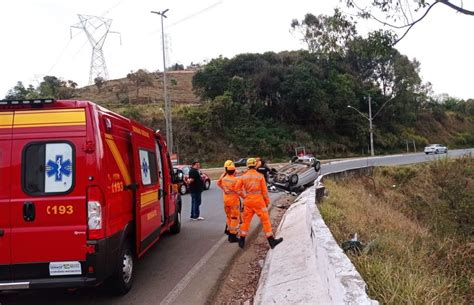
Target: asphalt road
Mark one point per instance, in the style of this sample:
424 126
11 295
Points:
391 160
164 270
160 271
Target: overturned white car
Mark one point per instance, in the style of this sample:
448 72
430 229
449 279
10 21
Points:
295 176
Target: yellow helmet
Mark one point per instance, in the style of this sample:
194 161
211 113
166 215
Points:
251 162
231 167
228 163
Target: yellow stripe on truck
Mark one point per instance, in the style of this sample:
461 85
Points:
148 198
118 158
6 119
63 117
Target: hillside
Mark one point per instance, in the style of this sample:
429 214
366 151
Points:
223 127
124 91
417 223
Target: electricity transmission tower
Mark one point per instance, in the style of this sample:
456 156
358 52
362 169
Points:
96 29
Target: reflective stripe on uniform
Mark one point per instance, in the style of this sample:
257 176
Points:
254 192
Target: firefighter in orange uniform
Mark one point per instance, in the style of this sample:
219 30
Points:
227 183
252 187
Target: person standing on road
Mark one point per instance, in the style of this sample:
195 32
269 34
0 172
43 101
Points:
252 187
262 168
196 187
227 183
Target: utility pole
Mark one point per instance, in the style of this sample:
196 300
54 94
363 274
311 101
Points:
169 128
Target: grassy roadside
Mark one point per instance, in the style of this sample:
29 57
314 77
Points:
418 222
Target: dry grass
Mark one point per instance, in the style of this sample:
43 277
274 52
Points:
418 224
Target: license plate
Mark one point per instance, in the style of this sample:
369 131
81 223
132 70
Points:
64 268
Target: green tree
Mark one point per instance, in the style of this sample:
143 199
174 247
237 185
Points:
372 58
212 80
325 34
18 92
50 87
66 89
99 82
140 78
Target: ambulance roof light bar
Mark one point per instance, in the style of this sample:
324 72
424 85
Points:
27 102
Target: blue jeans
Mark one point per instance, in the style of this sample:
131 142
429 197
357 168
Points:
195 203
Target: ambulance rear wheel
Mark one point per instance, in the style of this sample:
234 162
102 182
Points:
123 279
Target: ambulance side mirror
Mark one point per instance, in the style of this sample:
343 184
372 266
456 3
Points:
178 177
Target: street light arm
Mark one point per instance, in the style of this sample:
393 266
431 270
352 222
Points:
383 106
161 13
365 116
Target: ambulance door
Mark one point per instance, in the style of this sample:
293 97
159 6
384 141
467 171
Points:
147 199
161 191
6 119
48 205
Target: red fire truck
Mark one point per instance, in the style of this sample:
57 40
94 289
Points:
83 193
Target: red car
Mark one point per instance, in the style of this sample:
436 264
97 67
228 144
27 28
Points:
184 171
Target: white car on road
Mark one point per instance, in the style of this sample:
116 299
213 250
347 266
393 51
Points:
436 149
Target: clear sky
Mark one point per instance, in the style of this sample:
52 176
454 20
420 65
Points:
35 37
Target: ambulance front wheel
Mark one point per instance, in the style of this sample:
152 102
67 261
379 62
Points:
176 227
123 279
183 189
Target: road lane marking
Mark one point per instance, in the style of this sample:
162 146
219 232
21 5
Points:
178 289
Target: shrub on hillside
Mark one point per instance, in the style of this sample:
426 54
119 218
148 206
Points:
465 139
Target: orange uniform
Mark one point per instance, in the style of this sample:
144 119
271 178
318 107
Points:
231 201
252 187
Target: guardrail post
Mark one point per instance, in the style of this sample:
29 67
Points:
320 188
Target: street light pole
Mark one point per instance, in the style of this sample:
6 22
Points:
370 118
169 128
371 129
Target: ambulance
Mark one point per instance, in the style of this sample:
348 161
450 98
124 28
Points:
84 193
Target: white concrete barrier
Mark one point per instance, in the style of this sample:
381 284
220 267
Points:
308 267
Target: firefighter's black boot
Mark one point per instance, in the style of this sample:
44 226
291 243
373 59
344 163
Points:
273 242
242 242
232 238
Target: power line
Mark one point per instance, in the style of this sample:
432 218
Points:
112 8
192 15
197 13
61 54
